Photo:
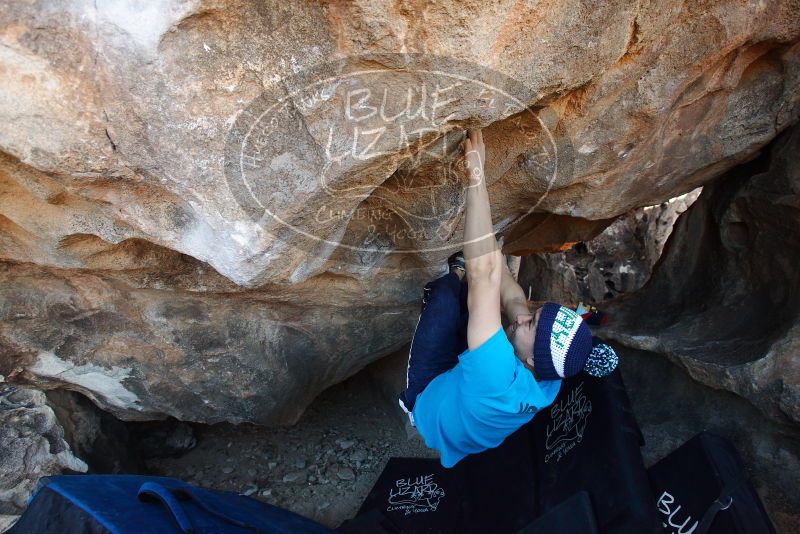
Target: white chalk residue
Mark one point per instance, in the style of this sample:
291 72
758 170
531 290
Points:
103 382
626 268
144 22
221 250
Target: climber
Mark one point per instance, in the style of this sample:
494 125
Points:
469 382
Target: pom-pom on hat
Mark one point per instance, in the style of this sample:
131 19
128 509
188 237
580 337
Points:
602 360
563 346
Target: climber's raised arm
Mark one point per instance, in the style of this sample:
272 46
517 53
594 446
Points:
504 376
481 253
512 297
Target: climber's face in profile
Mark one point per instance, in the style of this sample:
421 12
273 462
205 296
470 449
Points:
522 334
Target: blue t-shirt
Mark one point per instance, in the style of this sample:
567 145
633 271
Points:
482 400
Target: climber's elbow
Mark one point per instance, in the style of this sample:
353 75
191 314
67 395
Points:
485 268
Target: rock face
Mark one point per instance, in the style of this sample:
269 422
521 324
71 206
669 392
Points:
95 436
616 262
213 211
141 352
722 302
31 446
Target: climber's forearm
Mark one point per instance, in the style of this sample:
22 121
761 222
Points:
512 297
480 250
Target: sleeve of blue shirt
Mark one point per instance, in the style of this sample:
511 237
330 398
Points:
490 368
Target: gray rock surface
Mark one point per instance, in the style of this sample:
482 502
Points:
94 436
722 302
32 446
197 355
6 521
617 261
161 439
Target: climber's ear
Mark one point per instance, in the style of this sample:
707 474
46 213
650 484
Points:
524 318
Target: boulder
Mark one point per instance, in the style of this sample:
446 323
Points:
32 446
95 436
722 301
162 439
617 261
213 211
207 356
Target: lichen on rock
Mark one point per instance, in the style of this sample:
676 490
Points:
32 446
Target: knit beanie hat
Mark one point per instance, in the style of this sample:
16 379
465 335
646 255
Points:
563 346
